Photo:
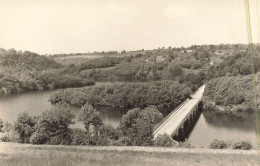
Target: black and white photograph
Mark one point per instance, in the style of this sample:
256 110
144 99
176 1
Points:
129 82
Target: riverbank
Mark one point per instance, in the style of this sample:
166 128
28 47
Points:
48 155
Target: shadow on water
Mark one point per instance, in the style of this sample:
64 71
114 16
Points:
239 121
188 126
223 126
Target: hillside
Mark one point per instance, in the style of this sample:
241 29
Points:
27 71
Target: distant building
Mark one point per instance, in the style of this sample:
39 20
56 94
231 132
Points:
160 58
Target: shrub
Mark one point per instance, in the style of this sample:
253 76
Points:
103 141
5 137
185 144
1 125
109 132
79 137
60 139
38 138
10 136
123 141
24 126
210 107
244 145
218 144
88 115
164 141
14 136
137 124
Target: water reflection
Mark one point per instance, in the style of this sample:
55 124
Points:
235 121
213 125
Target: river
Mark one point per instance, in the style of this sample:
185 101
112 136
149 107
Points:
209 126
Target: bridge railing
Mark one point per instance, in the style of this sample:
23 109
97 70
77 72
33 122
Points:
183 120
169 115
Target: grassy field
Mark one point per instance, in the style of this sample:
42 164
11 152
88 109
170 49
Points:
76 59
12 154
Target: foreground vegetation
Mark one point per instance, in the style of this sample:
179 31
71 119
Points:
23 155
221 144
52 127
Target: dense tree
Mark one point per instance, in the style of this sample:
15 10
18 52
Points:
88 115
164 141
1 125
53 126
138 125
165 93
24 126
175 70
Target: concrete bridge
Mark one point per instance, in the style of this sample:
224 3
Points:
182 118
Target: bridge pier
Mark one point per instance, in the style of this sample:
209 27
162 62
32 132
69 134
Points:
187 125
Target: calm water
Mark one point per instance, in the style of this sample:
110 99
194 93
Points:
208 127
36 102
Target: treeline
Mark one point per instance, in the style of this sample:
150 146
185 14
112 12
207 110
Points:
167 94
53 127
239 64
233 93
100 63
13 84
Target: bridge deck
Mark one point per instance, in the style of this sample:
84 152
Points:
176 119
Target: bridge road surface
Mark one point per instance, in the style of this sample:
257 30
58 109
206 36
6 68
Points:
172 123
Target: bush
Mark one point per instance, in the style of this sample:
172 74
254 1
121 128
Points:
5 137
24 126
218 144
14 136
137 124
165 141
185 144
53 126
101 140
1 125
123 141
79 137
10 136
38 138
244 145
60 139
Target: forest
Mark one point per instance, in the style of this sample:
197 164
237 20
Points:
164 94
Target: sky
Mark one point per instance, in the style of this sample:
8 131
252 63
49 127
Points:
72 26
